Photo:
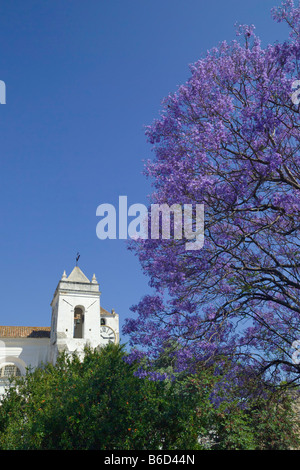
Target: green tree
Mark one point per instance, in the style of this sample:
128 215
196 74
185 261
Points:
100 403
95 404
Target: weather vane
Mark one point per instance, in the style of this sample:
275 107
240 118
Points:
77 258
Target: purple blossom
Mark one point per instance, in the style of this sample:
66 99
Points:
228 139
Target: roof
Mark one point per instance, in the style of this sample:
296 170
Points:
106 312
77 276
24 332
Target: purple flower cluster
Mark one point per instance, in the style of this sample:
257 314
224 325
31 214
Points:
229 138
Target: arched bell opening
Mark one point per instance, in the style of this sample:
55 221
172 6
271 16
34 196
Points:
78 322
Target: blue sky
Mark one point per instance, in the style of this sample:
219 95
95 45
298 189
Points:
82 80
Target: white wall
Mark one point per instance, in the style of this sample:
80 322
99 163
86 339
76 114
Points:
24 353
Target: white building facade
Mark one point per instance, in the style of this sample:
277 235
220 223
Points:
78 320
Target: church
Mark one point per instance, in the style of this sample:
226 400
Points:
77 320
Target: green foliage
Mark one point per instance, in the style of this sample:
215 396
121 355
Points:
99 403
95 404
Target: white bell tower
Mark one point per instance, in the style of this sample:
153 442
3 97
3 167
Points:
75 314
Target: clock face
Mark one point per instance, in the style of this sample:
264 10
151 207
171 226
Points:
107 335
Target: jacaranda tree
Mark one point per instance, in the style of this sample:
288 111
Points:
229 139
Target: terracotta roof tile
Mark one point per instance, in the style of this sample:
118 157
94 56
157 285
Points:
24 332
106 312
